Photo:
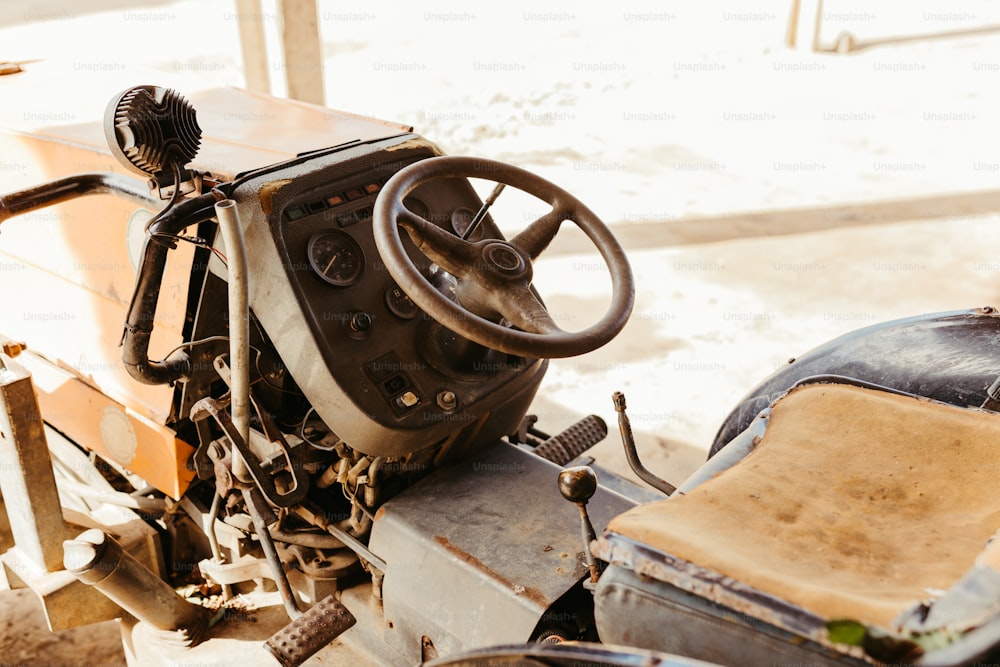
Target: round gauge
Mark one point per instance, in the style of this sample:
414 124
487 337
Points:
336 258
399 304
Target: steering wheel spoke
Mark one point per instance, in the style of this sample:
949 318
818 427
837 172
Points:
537 236
442 247
523 309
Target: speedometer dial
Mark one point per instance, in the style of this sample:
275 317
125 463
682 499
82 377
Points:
336 258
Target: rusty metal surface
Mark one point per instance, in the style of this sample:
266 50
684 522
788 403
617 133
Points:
26 476
38 522
477 552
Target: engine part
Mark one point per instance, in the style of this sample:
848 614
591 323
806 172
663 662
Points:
315 517
213 540
96 559
142 312
319 564
264 482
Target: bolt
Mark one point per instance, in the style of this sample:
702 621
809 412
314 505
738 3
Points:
447 400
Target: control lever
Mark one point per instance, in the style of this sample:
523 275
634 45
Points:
578 485
478 218
628 442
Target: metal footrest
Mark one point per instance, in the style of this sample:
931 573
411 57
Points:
309 633
575 440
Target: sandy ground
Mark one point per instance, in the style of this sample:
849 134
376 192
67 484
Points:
769 198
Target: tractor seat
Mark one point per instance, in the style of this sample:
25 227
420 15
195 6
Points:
855 504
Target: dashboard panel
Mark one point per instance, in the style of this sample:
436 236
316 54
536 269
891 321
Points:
384 376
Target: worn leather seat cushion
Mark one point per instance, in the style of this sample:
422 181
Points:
855 504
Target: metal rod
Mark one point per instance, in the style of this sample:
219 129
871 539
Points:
628 441
98 560
587 531
71 187
213 540
354 544
27 479
254 500
239 327
483 210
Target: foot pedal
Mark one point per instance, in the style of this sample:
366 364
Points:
309 633
575 440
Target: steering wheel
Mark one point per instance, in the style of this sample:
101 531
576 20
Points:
494 275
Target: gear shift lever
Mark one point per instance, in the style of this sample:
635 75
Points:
578 485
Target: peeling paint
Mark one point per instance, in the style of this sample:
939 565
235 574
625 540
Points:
267 192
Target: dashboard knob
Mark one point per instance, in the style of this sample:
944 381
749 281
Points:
361 323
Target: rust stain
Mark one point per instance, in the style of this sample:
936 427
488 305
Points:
532 594
409 143
267 192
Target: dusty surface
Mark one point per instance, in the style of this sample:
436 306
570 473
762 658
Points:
769 198
26 640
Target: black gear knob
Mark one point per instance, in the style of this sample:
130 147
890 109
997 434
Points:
577 484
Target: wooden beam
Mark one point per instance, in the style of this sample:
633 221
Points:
253 45
302 50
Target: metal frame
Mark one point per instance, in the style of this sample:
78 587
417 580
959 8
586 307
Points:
39 524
